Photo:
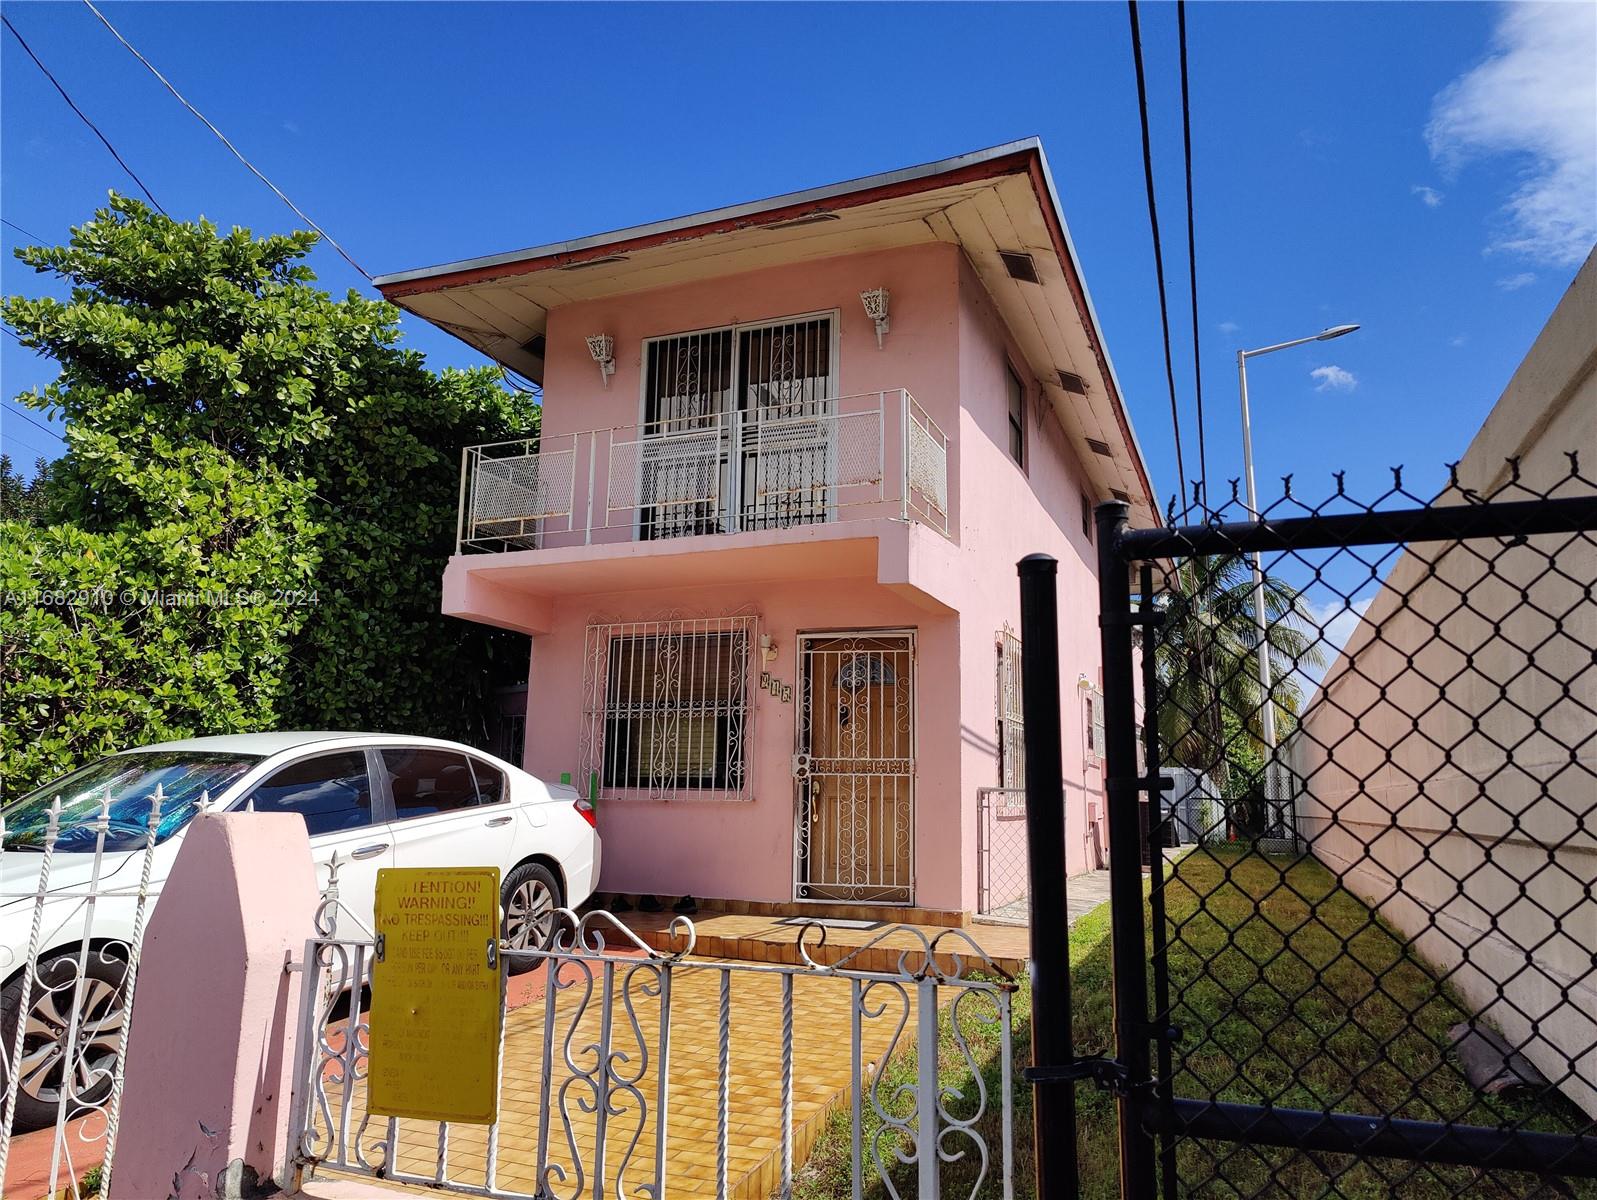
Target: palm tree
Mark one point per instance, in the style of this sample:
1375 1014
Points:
1206 659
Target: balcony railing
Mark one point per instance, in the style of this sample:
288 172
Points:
849 457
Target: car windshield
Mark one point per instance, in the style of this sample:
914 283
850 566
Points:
184 777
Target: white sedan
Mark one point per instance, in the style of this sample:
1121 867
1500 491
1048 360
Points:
373 800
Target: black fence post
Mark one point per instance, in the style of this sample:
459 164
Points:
1054 1103
1125 788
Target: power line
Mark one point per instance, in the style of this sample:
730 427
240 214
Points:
14 225
298 212
32 422
1192 248
105 141
1158 253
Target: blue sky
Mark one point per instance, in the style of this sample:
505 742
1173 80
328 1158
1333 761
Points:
1380 164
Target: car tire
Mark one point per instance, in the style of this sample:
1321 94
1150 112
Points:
101 1019
530 896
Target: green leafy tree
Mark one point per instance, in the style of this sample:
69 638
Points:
22 499
1207 647
254 510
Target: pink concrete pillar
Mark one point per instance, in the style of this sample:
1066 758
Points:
211 1048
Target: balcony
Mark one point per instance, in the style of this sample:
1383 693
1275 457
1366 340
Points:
848 458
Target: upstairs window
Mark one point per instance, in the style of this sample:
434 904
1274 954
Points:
1017 416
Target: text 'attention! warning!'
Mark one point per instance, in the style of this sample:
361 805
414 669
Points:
437 994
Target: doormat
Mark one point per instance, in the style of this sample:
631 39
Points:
833 922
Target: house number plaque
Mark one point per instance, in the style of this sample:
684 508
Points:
437 994
782 691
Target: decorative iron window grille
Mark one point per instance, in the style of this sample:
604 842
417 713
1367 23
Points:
743 431
1011 716
1093 702
668 709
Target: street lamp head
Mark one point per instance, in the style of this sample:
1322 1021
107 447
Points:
1335 331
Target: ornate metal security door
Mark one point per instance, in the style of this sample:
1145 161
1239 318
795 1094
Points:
854 768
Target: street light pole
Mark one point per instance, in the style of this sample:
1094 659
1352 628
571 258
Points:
1260 618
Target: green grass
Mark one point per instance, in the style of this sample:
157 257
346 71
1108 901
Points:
1288 991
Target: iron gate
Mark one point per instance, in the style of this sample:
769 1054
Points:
1378 978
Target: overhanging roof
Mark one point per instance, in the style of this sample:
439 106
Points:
999 199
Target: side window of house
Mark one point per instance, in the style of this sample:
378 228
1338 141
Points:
676 706
1086 517
490 782
425 781
1011 714
1017 416
331 791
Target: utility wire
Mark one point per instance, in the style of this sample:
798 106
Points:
1158 253
35 237
253 170
105 141
1192 251
53 433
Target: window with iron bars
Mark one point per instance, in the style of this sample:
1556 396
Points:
668 707
1011 714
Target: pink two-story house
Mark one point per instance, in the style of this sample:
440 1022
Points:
765 544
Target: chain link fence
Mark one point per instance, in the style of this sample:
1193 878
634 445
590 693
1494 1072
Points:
1375 976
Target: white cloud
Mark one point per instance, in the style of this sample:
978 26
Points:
1512 283
1329 625
1535 98
1457 340
1429 196
291 127
1229 327
1333 379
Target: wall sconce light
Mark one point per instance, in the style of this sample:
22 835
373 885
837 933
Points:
602 346
1084 683
767 648
875 302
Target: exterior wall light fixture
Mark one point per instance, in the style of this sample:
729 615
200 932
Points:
602 346
767 648
875 302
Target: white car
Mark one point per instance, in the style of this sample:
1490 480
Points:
373 800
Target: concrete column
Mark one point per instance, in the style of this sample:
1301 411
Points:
212 1043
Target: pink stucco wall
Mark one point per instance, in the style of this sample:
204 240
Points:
949 348
1007 512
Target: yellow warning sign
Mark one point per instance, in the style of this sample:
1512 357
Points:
437 995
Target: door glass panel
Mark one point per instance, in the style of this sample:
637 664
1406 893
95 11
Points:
682 460
785 394
425 781
490 782
331 791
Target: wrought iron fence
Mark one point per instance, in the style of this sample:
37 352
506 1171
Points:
643 1072
73 911
1377 977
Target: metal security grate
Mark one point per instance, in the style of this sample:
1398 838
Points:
1378 978
668 708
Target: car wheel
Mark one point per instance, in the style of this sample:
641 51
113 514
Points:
531 895
43 1070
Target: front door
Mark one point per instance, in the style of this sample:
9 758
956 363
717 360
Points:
854 768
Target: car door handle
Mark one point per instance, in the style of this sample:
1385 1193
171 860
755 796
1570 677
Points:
505 820
370 851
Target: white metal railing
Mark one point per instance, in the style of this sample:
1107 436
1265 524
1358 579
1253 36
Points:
842 458
66 1032
606 1078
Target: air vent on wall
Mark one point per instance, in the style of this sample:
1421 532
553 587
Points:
594 262
1098 447
1072 382
1019 265
814 218
1123 497
535 345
